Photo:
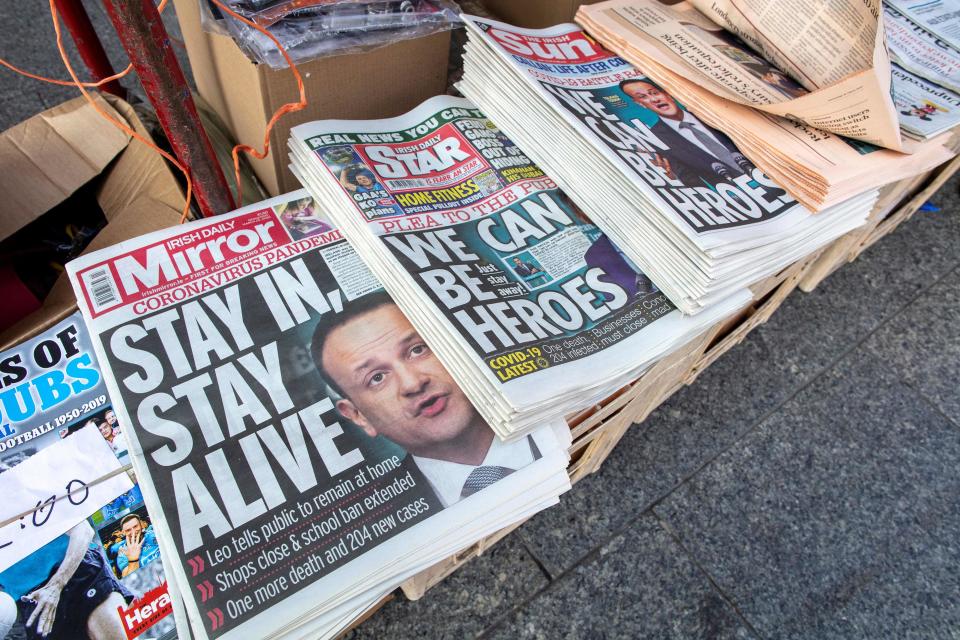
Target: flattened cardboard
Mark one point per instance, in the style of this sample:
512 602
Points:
45 159
383 83
136 190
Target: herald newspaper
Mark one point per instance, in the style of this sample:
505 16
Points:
274 498
52 388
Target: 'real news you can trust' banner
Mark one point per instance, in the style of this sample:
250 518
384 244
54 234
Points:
257 360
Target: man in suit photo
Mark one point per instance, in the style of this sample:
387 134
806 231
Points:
386 380
698 154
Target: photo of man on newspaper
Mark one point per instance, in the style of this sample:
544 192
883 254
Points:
360 183
130 542
390 383
698 153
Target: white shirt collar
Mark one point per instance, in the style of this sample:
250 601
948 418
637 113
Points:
675 124
447 478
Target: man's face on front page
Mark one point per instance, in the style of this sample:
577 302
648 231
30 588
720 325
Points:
653 98
394 385
132 527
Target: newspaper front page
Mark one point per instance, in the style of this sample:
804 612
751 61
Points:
700 181
823 64
295 438
924 108
52 390
939 17
536 296
919 51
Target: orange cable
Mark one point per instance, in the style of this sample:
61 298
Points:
69 83
65 83
120 125
289 107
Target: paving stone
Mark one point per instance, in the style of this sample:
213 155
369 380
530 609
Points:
690 428
34 47
920 602
17 105
817 520
468 601
812 330
923 345
640 585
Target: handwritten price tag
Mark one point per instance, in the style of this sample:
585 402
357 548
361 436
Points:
47 494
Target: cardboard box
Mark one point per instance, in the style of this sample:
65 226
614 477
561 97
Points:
383 83
535 14
46 159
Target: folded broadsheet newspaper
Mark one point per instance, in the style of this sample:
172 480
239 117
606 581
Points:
300 447
531 307
816 167
920 52
676 196
924 108
826 67
939 17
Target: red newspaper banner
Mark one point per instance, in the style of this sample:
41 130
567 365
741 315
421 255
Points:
442 159
190 256
574 47
145 611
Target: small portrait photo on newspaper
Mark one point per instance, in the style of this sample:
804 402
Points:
129 541
107 423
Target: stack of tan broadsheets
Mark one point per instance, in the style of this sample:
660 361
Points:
816 167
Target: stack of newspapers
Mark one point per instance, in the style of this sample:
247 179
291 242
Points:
923 43
531 307
820 121
299 445
675 195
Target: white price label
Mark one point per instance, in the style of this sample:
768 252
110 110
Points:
47 494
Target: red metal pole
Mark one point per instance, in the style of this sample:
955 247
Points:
88 44
144 37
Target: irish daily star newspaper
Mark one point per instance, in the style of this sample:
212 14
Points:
257 365
492 261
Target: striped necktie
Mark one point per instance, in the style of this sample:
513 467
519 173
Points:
482 477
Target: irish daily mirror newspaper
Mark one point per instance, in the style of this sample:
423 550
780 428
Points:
298 444
101 570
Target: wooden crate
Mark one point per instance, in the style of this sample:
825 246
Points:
597 429
897 203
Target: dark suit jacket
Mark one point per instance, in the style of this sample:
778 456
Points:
691 164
